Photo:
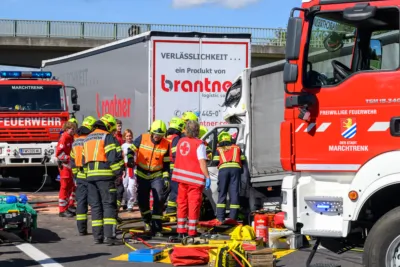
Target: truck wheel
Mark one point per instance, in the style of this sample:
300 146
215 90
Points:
382 247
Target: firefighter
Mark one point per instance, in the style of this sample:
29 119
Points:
174 133
192 175
103 163
119 183
230 168
152 173
188 115
66 200
80 176
202 132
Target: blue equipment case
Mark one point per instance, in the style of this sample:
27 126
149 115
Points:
145 255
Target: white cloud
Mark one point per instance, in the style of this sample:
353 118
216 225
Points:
225 3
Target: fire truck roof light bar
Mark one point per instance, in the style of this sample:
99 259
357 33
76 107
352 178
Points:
26 74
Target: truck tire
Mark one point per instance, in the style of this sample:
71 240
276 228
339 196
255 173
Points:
384 238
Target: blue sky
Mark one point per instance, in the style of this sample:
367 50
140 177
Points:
247 13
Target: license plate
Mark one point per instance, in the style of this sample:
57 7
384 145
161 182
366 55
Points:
30 151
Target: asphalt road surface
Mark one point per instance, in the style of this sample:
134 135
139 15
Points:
57 244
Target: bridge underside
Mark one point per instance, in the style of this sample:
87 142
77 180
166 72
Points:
29 51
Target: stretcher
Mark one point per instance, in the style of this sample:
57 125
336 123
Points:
18 219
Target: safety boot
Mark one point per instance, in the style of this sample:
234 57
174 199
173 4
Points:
83 233
111 241
147 227
72 209
98 241
66 214
158 234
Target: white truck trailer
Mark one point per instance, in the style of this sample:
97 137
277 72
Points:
155 75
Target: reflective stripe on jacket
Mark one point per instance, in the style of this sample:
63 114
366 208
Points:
229 157
173 139
102 155
76 157
150 156
187 166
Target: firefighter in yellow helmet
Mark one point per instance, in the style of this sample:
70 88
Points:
81 192
202 132
188 116
103 163
230 160
74 120
174 133
152 173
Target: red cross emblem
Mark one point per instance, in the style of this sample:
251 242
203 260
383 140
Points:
184 148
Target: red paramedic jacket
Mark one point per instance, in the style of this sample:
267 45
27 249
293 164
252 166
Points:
187 167
63 151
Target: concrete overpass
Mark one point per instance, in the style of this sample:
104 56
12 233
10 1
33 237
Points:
26 43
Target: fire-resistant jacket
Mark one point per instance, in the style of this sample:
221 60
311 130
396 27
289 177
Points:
102 156
173 139
63 151
77 154
229 157
187 167
152 159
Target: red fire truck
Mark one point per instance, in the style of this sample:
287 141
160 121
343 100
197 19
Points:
341 128
33 109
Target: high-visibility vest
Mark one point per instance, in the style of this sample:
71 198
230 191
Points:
170 138
150 156
187 167
76 153
229 157
77 150
93 146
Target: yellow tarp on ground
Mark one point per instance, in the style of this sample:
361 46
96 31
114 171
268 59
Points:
278 253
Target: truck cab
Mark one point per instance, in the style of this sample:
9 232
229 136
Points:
340 132
251 111
33 109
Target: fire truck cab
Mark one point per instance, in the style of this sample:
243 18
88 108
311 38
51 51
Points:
340 136
33 109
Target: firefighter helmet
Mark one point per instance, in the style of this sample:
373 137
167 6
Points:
203 131
88 122
177 124
110 122
74 120
188 115
224 137
158 127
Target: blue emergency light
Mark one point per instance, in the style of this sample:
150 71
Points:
25 74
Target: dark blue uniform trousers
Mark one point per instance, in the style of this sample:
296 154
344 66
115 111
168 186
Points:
228 181
156 185
171 205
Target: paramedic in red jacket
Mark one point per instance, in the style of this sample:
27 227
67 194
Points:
191 173
67 186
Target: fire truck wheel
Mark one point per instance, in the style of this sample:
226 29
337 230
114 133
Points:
382 247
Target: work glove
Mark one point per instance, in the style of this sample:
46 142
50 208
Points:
208 183
166 183
59 163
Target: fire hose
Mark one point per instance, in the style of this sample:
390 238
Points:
44 162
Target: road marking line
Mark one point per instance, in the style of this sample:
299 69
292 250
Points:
37 255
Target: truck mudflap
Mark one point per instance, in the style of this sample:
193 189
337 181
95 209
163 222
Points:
289 201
